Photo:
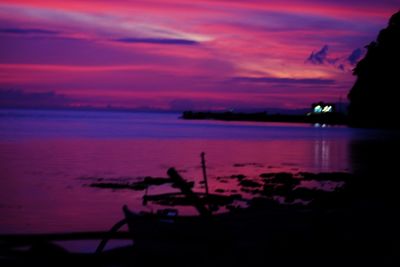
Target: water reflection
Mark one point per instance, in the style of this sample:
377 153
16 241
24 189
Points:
322 153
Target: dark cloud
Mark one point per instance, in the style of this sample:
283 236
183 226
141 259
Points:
24 31
165 41
355 56
21 99
284 80
320 57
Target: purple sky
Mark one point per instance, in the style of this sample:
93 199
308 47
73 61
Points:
177 54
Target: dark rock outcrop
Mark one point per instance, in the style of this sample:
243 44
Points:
373 101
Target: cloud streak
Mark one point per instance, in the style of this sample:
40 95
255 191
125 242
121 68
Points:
25 31
163 41
285 81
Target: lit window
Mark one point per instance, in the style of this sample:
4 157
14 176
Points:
327 109
318 109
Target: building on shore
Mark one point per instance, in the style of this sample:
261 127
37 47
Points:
321 108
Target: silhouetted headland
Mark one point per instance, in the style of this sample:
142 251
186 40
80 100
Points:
373 101
331 118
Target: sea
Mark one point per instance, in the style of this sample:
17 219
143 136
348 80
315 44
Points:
49 159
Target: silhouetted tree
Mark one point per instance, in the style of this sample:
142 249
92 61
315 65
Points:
373 98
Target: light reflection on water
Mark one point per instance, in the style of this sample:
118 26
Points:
45 157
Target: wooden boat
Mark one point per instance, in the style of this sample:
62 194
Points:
166 227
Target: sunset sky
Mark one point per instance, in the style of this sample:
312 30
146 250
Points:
180 54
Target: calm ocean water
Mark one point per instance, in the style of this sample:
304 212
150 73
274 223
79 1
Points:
47 159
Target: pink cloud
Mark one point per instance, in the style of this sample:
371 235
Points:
161 51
